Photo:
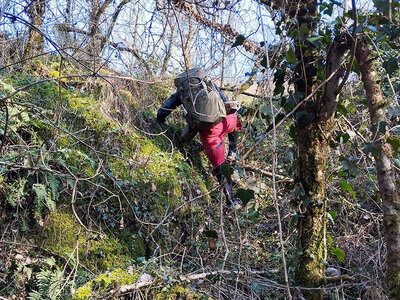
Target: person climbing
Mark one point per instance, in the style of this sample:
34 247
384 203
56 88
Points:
210 113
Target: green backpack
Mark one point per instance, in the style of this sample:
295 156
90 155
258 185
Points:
201 100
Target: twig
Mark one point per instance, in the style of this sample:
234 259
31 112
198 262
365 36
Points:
221 225
339 278
289 114
22 88
281 178
3 140
135 286
74 211
274 163
180 206
353 48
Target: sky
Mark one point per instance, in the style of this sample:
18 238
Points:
245 18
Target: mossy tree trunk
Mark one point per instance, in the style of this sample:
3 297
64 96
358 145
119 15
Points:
388 189
35 44
314 124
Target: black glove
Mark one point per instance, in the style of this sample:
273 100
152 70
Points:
160 119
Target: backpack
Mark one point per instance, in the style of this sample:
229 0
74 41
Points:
201 100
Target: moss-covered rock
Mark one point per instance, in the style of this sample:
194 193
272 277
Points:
61 234
108 253
104 283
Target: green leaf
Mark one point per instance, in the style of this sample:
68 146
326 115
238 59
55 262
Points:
245 195
332 216
304 29
381 5
395 143
314 37
306 202
211 234
291 57
347 187
343 138
396 162
239 41
339 254
370 147
227 171
264 62
330 240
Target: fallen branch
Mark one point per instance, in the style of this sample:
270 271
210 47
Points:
281 178
126 288
340 278
149 281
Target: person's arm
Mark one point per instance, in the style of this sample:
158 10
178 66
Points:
173 102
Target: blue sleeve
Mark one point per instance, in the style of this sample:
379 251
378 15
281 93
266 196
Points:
224 98
173 102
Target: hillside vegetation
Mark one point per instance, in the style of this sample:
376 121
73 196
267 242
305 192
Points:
97 197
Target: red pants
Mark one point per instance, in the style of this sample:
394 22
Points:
213 139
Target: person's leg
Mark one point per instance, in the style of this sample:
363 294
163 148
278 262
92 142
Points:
213 139
213 143
227 188
232 150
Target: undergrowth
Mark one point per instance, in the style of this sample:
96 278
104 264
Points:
96 196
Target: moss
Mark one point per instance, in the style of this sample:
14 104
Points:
63 142
129 98
108 253
84 292
168 174
88 108
103 283
179 292
135 244
61 233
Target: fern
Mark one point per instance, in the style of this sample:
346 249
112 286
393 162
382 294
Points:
43 197
17 192
49 284
53 184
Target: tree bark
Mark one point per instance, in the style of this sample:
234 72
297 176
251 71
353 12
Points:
388 189
35 44
314 124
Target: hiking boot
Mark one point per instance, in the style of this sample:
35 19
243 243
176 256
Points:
232 206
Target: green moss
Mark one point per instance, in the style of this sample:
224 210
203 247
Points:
63 142
84 292
179 292
61 233
108 253
129 98
135 244
103 283
164 177
161 90
88 108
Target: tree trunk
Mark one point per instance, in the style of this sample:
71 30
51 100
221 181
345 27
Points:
314 124
35 44
384 166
